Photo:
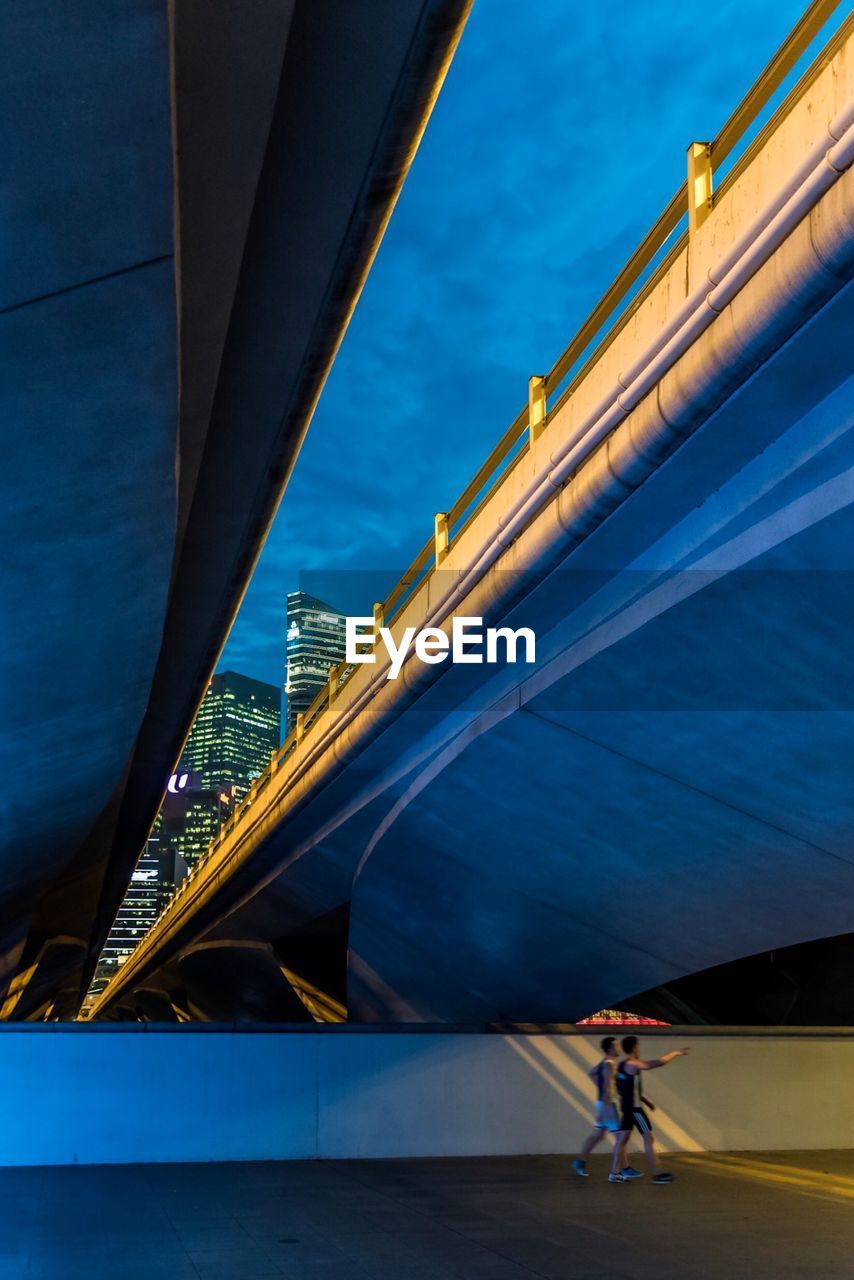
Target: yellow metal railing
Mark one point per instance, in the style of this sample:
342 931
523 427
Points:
691 202
514 442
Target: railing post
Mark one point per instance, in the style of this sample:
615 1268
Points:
300 726
379 618
699 184
440 536
333 684
536 407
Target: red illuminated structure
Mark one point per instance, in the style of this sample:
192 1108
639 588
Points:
616 1018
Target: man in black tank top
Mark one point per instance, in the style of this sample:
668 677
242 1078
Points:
631 1104
607 1116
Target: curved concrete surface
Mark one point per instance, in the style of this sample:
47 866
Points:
156 389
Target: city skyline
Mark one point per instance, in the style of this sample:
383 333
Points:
235 731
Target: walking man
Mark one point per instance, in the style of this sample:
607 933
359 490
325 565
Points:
632 1113
606 1117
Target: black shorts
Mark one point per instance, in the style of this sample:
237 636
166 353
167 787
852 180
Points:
636 1118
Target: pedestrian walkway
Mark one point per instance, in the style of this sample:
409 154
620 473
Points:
770 1217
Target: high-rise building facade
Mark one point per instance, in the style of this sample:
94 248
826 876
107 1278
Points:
158 871
192 815
314 641
234 733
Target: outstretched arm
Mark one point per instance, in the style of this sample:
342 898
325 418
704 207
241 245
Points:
653 1063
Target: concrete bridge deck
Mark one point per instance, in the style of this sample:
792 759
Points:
770 1216
195 197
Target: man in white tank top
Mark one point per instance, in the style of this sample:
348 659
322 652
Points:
606 1118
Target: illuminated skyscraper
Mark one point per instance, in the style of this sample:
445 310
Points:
314 641
234 734
159 870
191 816
231 741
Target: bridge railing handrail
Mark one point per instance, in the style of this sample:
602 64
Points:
754 101
513 445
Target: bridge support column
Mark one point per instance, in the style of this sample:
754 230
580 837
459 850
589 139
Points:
699 184
440 536
536 407
335 674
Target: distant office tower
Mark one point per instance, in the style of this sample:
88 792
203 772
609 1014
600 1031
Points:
234 733
314 642
231 741
192 815
157 872
171 867
189 819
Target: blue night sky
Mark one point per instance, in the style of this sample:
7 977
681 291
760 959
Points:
558 137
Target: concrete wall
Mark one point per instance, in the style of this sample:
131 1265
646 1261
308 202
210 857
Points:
135 1094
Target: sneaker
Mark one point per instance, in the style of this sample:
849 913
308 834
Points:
629 1173
616 1177
661 1178
580 1168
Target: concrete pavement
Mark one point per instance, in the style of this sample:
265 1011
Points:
770 1216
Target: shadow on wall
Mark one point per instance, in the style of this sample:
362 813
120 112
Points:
564 1065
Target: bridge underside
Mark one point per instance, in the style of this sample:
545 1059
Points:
668 791
194 196
688 749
